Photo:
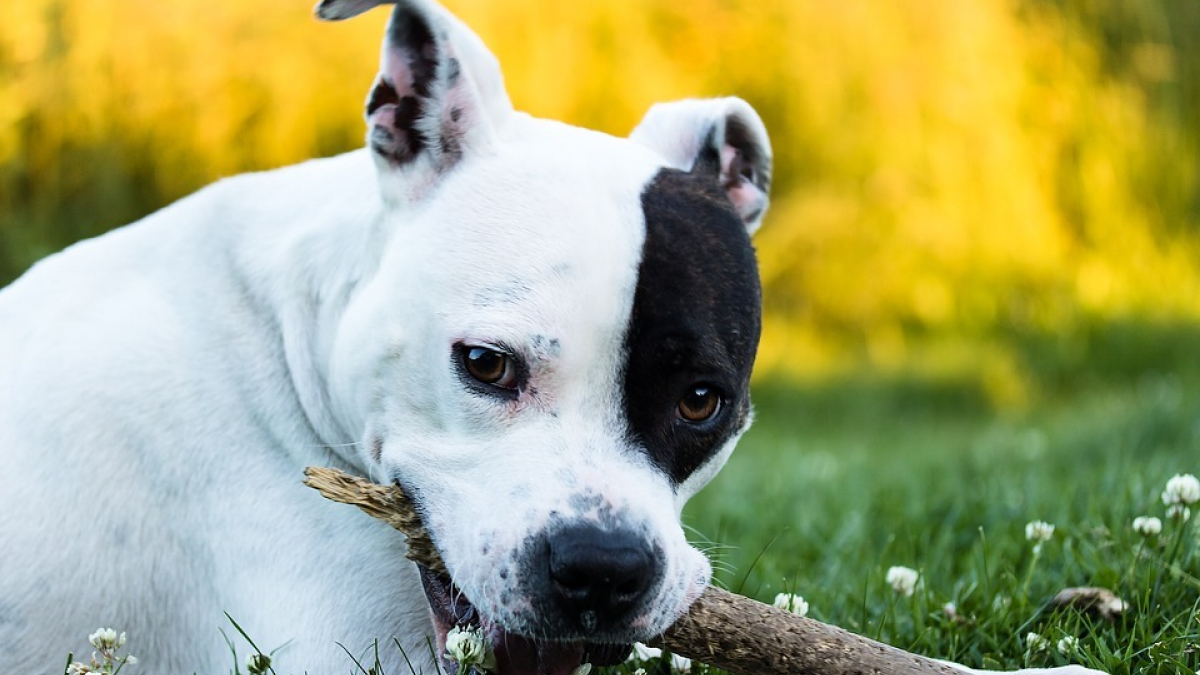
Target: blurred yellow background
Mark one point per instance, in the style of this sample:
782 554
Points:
952 177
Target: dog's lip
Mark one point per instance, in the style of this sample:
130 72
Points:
515 654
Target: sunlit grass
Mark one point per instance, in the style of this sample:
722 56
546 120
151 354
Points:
841 480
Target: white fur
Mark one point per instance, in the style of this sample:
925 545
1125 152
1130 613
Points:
163 386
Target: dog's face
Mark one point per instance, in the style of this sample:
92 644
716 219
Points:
555 351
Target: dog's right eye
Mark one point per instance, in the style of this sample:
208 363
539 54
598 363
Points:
490 366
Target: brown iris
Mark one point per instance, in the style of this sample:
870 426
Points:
699 404
490 366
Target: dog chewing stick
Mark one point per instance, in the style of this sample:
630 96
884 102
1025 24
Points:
721 629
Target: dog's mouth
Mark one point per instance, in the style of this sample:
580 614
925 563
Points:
514 654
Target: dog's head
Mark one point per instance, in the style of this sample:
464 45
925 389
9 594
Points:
554 353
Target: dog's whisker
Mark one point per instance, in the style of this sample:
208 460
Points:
717 549
332 446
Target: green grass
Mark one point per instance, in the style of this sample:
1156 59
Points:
840 480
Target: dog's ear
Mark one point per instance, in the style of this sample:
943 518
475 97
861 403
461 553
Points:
723 137
439 94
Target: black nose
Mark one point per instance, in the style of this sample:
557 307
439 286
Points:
599 576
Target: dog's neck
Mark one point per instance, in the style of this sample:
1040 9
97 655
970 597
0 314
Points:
326 245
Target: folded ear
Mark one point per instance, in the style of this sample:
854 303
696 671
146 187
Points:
439 95
723 137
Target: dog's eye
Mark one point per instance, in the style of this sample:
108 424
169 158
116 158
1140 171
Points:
700 404
490 366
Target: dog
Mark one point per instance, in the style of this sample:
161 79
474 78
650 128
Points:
543 334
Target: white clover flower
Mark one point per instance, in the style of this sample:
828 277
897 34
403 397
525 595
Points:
1147 526
468 647
1036 643
950 611
257 664
1038 531
1183 488
643 654
680 664
1068 645
106 639
792 603
1179 512
903 580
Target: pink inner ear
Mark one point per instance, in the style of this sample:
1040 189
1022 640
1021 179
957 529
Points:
729 156
748 199
395 69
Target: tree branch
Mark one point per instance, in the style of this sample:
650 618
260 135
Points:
721 628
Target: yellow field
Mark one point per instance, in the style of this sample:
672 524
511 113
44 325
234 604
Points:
946 171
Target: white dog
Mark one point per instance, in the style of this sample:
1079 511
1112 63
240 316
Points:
543 334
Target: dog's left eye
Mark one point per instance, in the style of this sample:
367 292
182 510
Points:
700 404
490 366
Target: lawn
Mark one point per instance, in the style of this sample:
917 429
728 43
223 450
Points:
843 478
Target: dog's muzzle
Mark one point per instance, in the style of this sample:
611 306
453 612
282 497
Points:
584 585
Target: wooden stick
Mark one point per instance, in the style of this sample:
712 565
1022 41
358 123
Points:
721 629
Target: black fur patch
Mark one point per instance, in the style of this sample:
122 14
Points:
400 141
696 319
383 93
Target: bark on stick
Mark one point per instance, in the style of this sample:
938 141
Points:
722 629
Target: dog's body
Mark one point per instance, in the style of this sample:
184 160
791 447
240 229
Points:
126 506
544 334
